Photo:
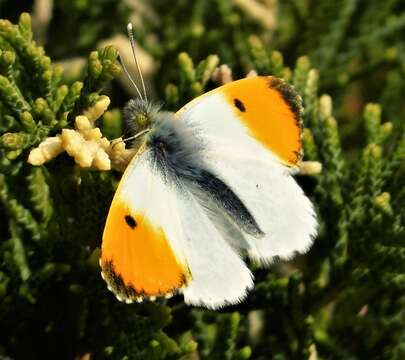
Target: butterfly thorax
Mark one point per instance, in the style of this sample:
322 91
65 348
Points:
174 144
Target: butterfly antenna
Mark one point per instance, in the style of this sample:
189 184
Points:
143 132
131 36
129 76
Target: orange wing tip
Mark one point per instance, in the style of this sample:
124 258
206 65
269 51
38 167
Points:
126 292
290 96
294 102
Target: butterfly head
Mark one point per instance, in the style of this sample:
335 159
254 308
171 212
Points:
140 114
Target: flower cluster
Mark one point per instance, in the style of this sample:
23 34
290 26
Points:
85 143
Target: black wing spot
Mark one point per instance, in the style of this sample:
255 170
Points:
239 104
130 221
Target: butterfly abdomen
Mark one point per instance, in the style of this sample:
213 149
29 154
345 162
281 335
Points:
232 205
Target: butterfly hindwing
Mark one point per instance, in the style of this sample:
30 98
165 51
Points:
279 206
220 276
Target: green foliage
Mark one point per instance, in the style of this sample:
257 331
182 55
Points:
345 299
86 22
357 45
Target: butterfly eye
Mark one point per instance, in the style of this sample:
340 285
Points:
130 221
239 104
141 120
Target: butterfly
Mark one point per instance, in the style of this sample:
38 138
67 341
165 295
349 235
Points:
209 185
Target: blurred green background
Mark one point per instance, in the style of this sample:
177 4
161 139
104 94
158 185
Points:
345 299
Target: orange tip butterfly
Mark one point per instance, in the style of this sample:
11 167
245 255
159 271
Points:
210 184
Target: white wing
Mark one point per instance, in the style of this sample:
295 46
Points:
257 177
275 200
219 276
216 274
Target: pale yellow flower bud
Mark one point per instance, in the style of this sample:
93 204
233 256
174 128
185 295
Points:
48 149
